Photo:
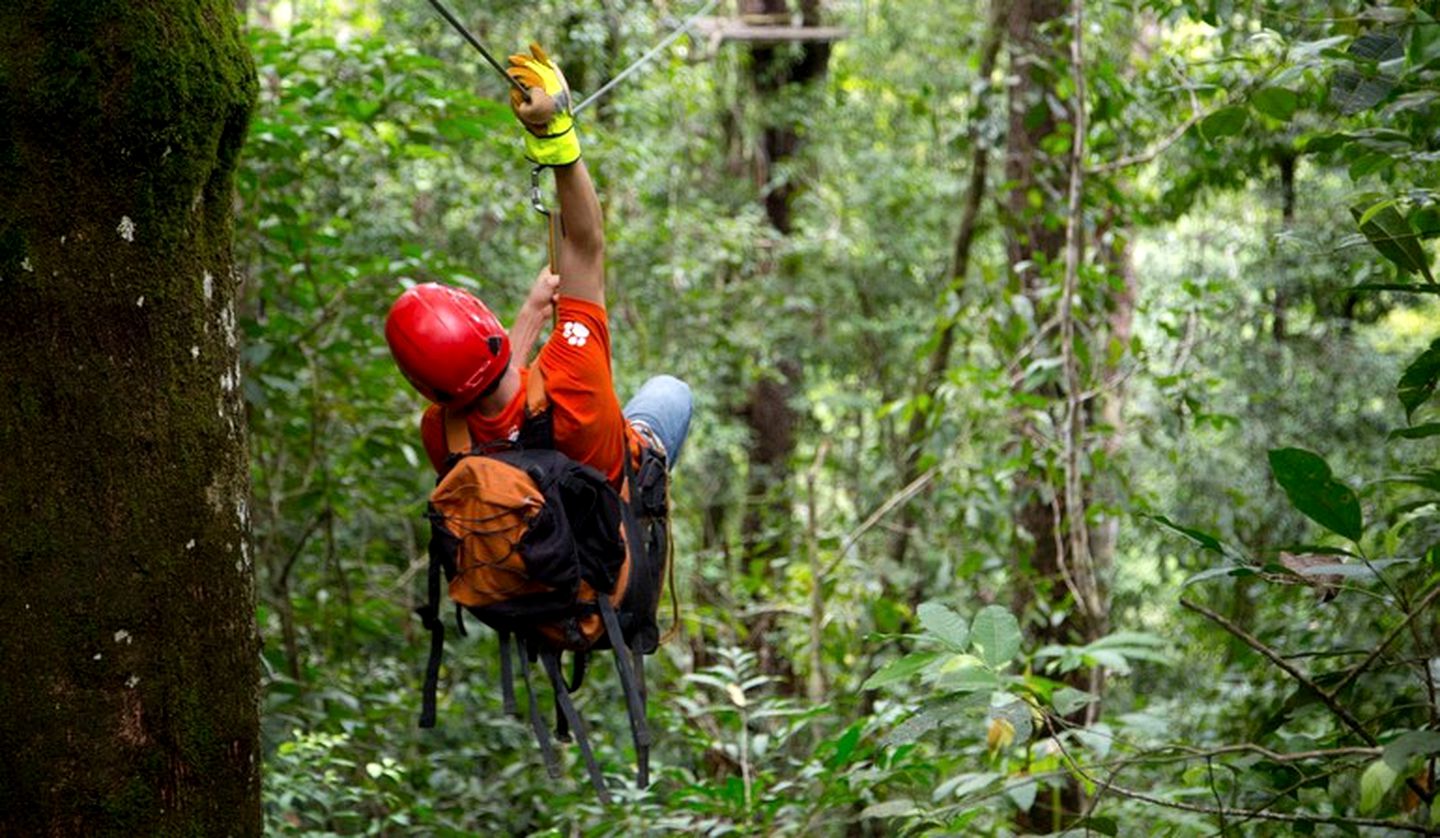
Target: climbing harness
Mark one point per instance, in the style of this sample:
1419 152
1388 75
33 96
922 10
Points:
537 198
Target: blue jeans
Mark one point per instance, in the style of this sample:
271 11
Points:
663 406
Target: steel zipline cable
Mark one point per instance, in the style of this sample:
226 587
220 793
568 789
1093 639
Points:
475 42
639 63
649 56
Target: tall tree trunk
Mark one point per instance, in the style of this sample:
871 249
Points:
1052 566
770 411
127 629
1033 246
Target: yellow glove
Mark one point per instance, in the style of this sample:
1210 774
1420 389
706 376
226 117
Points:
551 140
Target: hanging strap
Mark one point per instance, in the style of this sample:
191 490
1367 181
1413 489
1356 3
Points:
562 698
547 750
457 433
430 618
507 677
642 773
634 703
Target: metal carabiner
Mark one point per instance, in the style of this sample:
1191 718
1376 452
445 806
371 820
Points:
537 202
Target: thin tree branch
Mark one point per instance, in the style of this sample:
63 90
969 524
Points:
1389 638
1336 708
1218 811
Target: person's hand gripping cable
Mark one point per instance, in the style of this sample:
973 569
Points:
551 139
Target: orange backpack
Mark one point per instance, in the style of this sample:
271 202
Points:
543 550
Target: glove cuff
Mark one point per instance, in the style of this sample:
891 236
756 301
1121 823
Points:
554 150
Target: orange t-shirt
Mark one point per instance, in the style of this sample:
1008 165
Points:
575 361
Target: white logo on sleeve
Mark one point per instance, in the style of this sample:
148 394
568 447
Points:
576 334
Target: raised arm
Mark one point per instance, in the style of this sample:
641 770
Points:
582 235
552 142
534 315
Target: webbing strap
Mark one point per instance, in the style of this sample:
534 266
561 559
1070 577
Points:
642 774
430 618
507 677
634 704
562 698
578 666
547 751
457 433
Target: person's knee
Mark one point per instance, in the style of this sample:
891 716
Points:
678 388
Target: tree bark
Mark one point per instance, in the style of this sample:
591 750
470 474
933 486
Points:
769 411
1032 246
127 630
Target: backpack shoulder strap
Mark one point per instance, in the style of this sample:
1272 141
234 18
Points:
538 429
457 432
536 401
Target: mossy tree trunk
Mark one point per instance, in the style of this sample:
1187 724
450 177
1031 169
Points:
127 635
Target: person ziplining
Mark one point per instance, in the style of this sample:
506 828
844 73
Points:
550 516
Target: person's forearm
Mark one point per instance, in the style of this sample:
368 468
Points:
529 323
582 238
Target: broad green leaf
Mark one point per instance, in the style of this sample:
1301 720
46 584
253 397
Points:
945 625
1407 746
1022 793
902 669
1068 699
897 808
1392 235
1204 539
1128 639
1426 219
969 679
1111 660
996 633
1233 571
844 747
1313 490
1375 209
1418 383
1276 103
1424 41
1425 431
965 784
1225 122
1375 783
1102 824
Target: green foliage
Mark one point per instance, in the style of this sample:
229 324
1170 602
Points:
1307 481
1239 295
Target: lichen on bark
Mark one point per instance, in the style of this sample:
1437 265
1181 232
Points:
126 596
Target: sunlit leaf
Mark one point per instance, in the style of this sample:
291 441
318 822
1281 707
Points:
996 633
901 669
1375 783
944 624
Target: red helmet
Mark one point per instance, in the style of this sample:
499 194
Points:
447 343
